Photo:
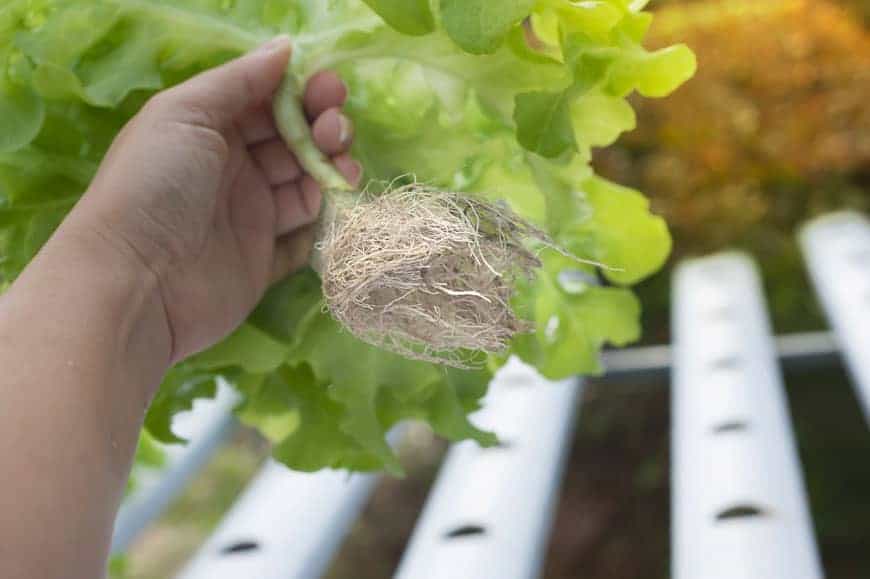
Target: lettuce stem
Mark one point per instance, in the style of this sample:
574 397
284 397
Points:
296 132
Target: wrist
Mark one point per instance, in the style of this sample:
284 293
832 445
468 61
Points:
89 282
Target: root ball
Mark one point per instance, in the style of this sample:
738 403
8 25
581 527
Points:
426 273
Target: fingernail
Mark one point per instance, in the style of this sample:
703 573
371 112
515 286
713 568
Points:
345 130
275 44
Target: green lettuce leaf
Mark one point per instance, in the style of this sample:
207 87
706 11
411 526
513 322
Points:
480 26
409 16
500 98
573 319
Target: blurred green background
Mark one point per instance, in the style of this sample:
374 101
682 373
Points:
773 130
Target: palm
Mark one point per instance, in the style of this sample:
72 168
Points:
221 207
261 195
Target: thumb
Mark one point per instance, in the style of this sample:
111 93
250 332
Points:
239 85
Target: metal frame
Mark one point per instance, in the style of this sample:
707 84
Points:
653 363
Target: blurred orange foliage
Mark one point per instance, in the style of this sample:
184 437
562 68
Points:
773 129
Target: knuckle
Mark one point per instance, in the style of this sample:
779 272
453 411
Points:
207 148
212 142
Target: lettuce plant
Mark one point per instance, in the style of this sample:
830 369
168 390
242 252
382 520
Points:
501 99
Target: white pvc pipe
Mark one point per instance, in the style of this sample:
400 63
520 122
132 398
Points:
837 249
490 511
205 427
739 506
285 525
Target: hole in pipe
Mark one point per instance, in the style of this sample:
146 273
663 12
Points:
240 547
465 531
725 363
730 426
741 511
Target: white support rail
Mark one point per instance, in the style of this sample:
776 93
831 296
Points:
837 250
739 507
490 511
206 427
286 525
653 363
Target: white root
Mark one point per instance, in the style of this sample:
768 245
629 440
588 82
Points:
427 274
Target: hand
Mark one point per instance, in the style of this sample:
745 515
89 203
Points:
200 191
195 209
